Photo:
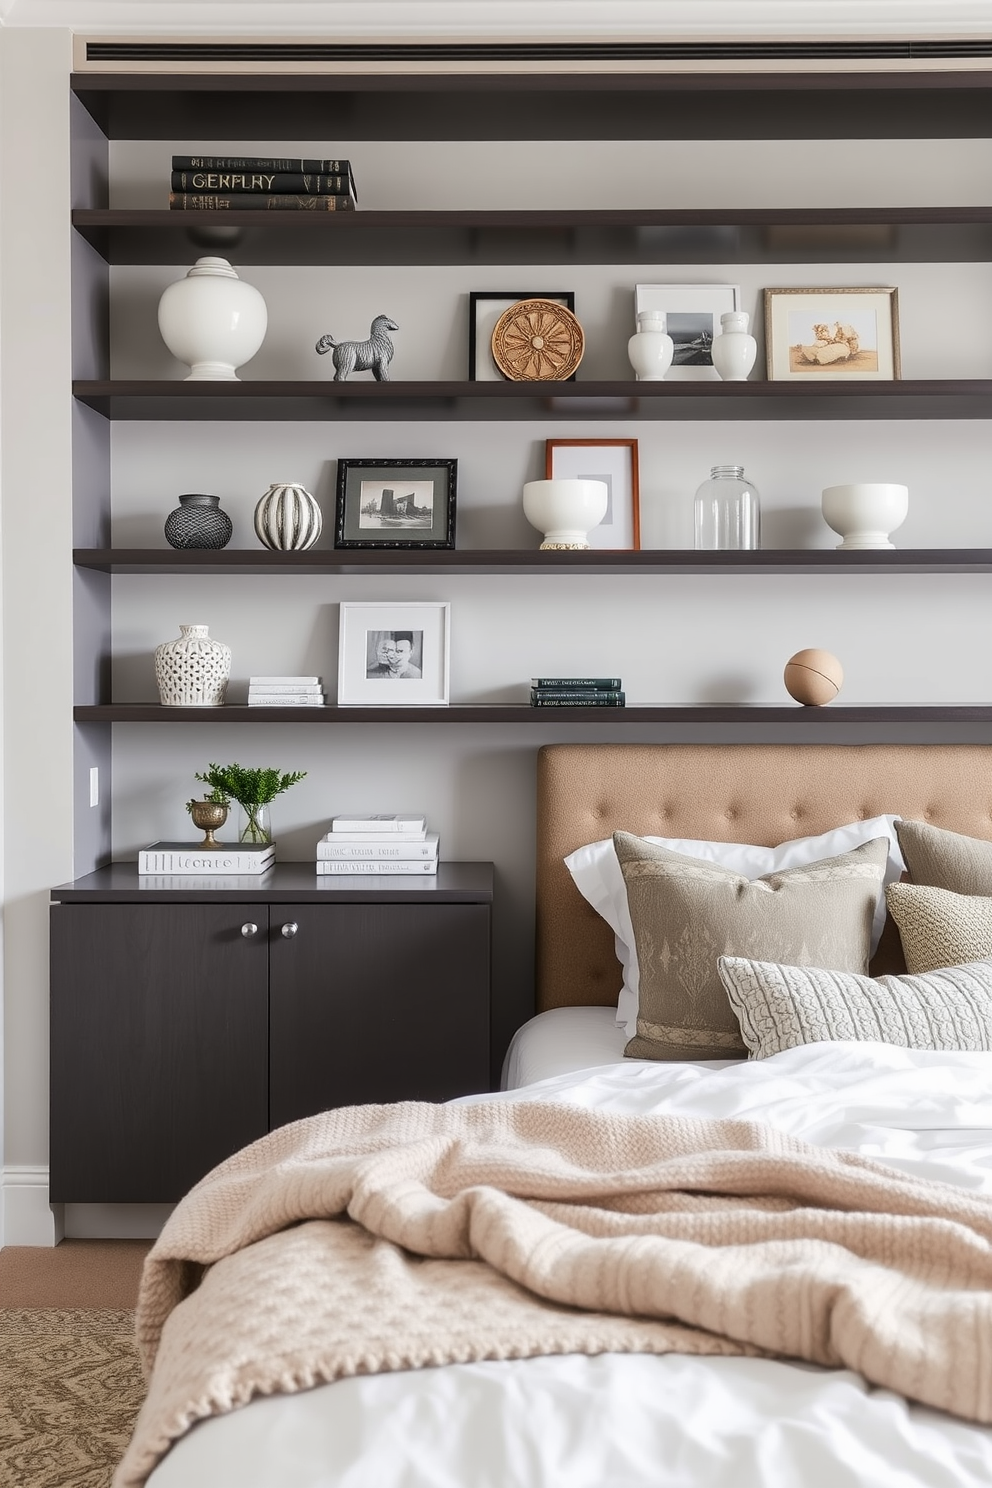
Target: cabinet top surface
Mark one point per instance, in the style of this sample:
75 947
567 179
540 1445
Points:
455 883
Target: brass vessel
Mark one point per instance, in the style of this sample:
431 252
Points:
209 816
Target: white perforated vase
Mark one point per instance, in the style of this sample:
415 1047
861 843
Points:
287 518
192 671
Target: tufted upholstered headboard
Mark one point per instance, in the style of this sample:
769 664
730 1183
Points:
761 793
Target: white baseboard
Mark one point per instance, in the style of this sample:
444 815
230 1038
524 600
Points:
26 1216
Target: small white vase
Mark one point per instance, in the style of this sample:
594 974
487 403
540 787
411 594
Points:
565 510
192 671
734 349
864 513
212 320
650 349
287 518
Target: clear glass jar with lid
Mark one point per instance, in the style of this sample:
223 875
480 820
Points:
727 511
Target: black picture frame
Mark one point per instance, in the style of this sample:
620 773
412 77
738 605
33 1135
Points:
481 301
357 524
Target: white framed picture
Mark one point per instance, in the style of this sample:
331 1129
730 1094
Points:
613 461
393 655
693 314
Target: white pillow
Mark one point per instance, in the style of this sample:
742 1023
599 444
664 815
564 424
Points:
597 876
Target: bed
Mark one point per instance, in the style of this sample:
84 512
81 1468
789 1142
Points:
639 1412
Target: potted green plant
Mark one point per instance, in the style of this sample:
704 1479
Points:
253 788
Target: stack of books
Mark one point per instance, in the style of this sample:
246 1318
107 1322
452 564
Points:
285 692
239 183
368 845
192 858
577 692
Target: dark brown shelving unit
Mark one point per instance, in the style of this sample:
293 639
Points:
898 235
703 713
259 561
588 401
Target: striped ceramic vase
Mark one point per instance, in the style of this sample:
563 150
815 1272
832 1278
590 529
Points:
287 518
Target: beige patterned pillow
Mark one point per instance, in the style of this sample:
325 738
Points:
780 1007
938 928
946 860
686 913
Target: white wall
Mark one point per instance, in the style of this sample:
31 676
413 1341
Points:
692 639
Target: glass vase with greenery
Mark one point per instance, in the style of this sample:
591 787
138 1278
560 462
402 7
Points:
253 788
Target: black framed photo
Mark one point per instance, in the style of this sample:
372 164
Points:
485 306
395 504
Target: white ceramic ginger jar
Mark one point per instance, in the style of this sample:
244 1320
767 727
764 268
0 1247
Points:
734 349
565 510
192 671
650 349
287 518
212 320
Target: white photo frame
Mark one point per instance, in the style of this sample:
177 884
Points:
613 461
393 655
693 312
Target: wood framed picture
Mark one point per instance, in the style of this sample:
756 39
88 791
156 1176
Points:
393 655
485 306
613 461
831 335
692 313
395 504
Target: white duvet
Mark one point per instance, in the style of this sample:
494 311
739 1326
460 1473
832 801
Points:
620 1421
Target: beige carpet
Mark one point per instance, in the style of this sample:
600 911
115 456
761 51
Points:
70 1384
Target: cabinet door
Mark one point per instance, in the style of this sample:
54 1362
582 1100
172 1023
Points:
158 1037
377 1002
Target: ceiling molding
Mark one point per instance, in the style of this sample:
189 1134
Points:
500 19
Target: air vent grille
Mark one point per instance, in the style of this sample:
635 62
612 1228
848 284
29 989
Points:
256 52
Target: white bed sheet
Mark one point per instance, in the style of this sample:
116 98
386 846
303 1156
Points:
642 1422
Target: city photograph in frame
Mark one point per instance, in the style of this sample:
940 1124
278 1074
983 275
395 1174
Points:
693 315
395 504
837 334
613 461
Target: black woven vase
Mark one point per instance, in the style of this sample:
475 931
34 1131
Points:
198 522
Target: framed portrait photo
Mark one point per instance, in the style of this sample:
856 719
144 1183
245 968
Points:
832 334
393 655
485 306
693 314
613 461
395 504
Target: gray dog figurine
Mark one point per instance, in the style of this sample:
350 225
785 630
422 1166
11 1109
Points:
373 355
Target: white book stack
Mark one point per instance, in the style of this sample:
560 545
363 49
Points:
285 692
364 846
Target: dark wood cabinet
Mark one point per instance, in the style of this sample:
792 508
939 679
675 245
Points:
182 1029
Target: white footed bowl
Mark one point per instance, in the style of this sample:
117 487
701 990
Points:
865 513
565 510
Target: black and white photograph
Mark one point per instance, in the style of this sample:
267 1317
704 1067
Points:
485 306
393 655
692 312
395 504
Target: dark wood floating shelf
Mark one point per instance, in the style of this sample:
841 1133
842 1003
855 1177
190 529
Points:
703 713
531 560
605 235
588 401
459 883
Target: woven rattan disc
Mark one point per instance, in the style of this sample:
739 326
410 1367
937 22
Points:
537 341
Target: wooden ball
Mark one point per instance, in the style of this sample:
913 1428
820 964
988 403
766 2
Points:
813 677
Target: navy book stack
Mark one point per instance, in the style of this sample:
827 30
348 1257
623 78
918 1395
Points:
576 692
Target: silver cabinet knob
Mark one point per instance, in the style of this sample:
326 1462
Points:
248 930
290 929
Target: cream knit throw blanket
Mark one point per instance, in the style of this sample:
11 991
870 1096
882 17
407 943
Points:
444 1233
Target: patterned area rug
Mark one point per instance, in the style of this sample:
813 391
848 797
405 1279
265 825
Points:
70 1388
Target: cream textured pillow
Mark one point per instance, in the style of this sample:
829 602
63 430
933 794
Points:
938 928
686 913
780 1007
946 860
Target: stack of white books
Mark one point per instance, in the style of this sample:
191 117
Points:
192 858
368 845
285 692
